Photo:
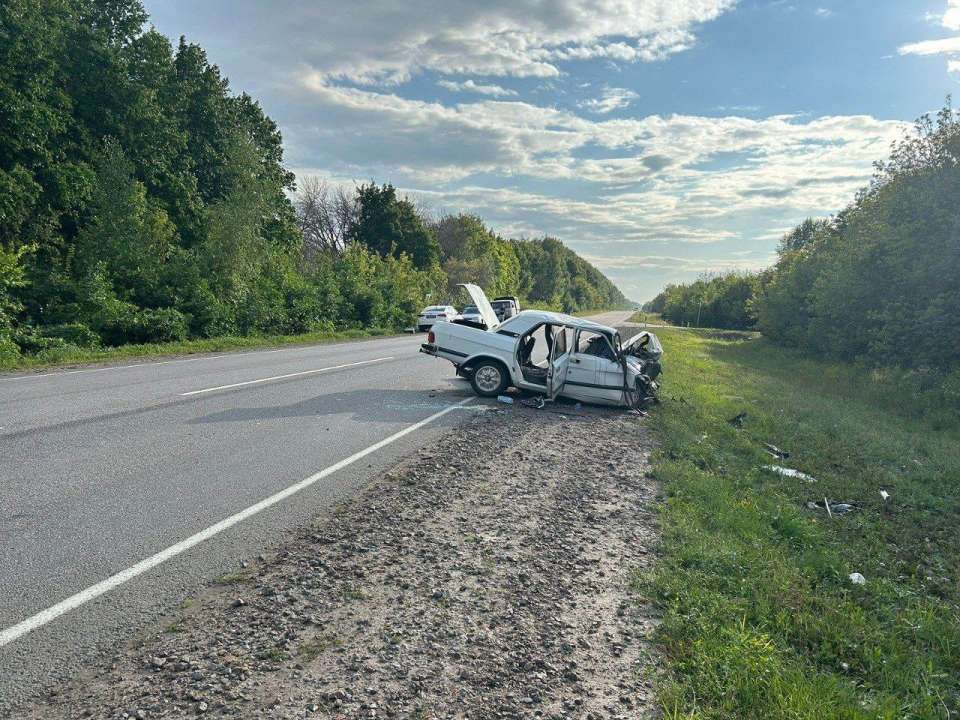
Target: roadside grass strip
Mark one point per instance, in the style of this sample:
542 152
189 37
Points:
71 355
763 616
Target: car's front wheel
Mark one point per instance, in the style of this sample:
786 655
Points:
489 378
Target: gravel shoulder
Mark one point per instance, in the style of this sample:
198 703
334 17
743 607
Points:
486 577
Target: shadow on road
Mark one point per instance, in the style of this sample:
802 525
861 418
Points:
361 405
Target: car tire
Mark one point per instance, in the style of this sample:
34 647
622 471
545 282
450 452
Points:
489 378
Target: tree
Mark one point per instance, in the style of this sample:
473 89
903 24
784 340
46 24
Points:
325 216
390 226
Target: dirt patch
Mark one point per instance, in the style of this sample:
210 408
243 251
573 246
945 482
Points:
487 577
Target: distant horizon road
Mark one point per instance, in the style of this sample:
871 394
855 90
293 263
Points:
125 489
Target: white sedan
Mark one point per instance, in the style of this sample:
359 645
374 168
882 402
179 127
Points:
434 314
549 353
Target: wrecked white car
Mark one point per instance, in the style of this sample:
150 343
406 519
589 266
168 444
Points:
549 353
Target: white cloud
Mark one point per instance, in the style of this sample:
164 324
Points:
668 262
472 87
823 12
949 46
429 142
612 98
615 189
951 18
932 47
383 42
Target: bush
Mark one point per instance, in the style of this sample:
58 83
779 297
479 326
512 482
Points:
9 352
74 334
158 326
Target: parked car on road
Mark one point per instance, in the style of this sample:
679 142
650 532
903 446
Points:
549 353
435 313
505 307
472 314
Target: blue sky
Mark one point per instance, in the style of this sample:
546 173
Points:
658 138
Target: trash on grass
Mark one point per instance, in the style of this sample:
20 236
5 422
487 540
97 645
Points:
884 494
833 507
857 579
789 472
505 400
776 452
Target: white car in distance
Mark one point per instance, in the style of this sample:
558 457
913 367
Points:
548 353
472 314
434 314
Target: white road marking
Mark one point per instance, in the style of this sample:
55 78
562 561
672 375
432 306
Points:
325 346
284 377
94 591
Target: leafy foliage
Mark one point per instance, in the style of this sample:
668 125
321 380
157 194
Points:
879 283
719 302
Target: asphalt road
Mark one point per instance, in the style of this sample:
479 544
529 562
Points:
102 468
612 318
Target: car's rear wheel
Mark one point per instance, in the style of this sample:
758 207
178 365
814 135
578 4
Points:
489 378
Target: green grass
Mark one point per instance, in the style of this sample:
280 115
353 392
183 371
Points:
647 317
74 355
760 619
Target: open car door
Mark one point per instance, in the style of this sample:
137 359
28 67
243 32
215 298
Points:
559 360
479 298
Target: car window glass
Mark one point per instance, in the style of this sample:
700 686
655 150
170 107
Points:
594 343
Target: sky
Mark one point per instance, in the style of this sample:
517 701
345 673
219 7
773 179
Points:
660 139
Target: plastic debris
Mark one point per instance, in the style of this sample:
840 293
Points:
505 400
776 452
790 472
833 508
857 579
885 495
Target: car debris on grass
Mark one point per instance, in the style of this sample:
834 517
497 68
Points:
790 473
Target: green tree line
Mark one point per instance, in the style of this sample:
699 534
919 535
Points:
142 201
879 283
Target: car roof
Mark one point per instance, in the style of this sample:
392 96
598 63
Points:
534 317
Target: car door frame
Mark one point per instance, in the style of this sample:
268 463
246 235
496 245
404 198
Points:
557 365
595 392
520 380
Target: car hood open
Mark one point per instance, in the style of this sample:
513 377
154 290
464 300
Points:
479 298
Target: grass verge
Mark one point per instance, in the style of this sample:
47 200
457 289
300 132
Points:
647 317
760 618
75 356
